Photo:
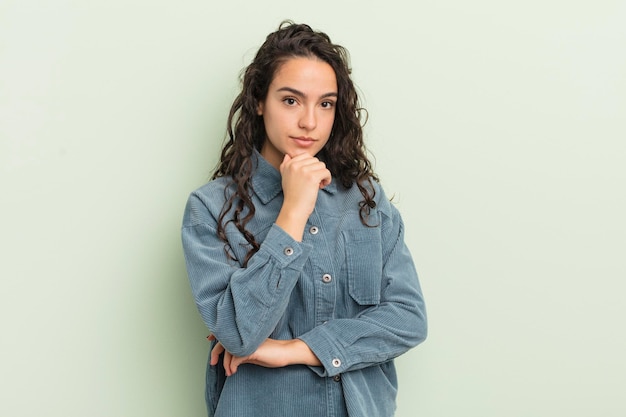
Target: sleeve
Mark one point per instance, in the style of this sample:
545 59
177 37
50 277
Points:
240 306
384 330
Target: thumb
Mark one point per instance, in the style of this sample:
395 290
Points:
286 160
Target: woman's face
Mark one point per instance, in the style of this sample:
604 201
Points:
299 109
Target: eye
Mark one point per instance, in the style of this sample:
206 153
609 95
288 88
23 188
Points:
328 104
290 101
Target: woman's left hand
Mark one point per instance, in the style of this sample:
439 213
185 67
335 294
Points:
270 354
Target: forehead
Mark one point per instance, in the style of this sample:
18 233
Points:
310 74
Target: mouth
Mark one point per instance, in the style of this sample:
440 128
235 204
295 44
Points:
303 141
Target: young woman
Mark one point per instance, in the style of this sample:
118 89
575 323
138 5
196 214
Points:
296 258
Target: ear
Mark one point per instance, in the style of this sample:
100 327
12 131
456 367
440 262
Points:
259 108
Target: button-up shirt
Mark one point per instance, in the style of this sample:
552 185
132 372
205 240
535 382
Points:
348 290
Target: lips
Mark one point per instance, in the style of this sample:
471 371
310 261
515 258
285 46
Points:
303 141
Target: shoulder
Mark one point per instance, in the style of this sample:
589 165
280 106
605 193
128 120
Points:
388 214
211 189
205 203
384 206
382 213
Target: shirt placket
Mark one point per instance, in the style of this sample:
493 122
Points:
324 271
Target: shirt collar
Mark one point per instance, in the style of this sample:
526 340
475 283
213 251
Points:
266 180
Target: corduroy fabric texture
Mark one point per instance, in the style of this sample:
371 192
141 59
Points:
349 291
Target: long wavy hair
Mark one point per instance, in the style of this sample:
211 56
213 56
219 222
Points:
344 154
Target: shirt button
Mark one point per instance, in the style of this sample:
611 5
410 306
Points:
336 363
327 278
288 251
313 230
337 378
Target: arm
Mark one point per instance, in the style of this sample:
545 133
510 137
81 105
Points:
240 306
380 333
271 354
384 330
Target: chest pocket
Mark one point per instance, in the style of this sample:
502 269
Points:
364 261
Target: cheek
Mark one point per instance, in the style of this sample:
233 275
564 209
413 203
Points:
276 120
275 126
329 123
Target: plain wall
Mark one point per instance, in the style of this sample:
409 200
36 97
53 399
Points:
499 127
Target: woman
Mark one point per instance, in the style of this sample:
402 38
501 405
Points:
296 258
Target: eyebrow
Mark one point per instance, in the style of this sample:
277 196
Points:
301 94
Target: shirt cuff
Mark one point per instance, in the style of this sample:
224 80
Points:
330 355
286 250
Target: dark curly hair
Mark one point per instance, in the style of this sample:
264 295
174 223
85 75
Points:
344 153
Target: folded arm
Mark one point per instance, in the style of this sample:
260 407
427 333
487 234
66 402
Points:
240 306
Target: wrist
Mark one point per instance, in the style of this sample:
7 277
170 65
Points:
301 354
292 223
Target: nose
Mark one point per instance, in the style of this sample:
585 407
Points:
308 119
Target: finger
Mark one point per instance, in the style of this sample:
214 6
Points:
216 352
310 166
321 173
326 180
234 364
285 163
304 159
227 359
233 358
210 337
299 160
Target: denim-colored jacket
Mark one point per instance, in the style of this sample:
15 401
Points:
349 291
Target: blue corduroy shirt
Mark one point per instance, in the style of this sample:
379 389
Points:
349 291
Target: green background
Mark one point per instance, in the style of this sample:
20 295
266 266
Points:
498 127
